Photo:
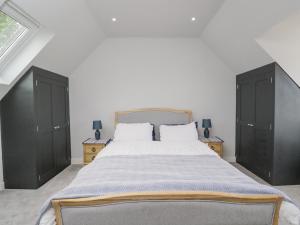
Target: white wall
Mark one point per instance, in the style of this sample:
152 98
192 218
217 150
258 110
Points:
281 42
3 89
129 73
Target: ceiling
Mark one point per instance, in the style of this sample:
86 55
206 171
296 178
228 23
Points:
75 32
154 18
282 43
229 27
232 33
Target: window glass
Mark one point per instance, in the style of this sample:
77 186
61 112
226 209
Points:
10 32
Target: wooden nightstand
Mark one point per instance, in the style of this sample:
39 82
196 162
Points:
214 143
91 147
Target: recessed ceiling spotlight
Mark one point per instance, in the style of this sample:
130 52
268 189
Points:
193 19
114 19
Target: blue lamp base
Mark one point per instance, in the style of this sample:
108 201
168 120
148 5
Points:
97 135
206 133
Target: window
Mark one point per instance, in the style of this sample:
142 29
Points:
16 27
10 32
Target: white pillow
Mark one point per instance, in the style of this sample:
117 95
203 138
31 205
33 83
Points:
133 132
186 132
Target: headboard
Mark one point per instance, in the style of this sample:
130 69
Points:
156 116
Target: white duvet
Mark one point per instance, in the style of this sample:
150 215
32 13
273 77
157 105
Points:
289 213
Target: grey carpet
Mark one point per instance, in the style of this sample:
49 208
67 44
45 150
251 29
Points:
291 190
20 207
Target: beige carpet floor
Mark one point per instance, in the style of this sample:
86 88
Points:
20 207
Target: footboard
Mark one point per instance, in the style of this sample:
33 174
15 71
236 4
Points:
169 208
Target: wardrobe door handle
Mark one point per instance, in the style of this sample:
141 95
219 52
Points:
250 125
56 127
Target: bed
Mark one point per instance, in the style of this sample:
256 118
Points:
165 183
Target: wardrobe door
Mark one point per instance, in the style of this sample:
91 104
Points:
60 124
264 115
46 155
245 132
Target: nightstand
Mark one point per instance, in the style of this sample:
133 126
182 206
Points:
214 143
91 147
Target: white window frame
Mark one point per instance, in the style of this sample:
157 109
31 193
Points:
12 10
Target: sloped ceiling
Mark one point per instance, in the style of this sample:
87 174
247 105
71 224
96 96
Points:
232 33
229 28
282 42
76 32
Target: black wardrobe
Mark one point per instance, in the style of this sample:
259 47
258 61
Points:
268 124
35 129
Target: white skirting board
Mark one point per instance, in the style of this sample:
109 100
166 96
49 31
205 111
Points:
229 158
1 185
77 161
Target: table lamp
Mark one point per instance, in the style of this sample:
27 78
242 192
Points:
97 125
206 123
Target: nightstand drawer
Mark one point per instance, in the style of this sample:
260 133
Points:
217 147
91 149
214 143
89 158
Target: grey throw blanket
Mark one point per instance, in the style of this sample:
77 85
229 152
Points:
123 174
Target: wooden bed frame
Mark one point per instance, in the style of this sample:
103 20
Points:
167 196
58 204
